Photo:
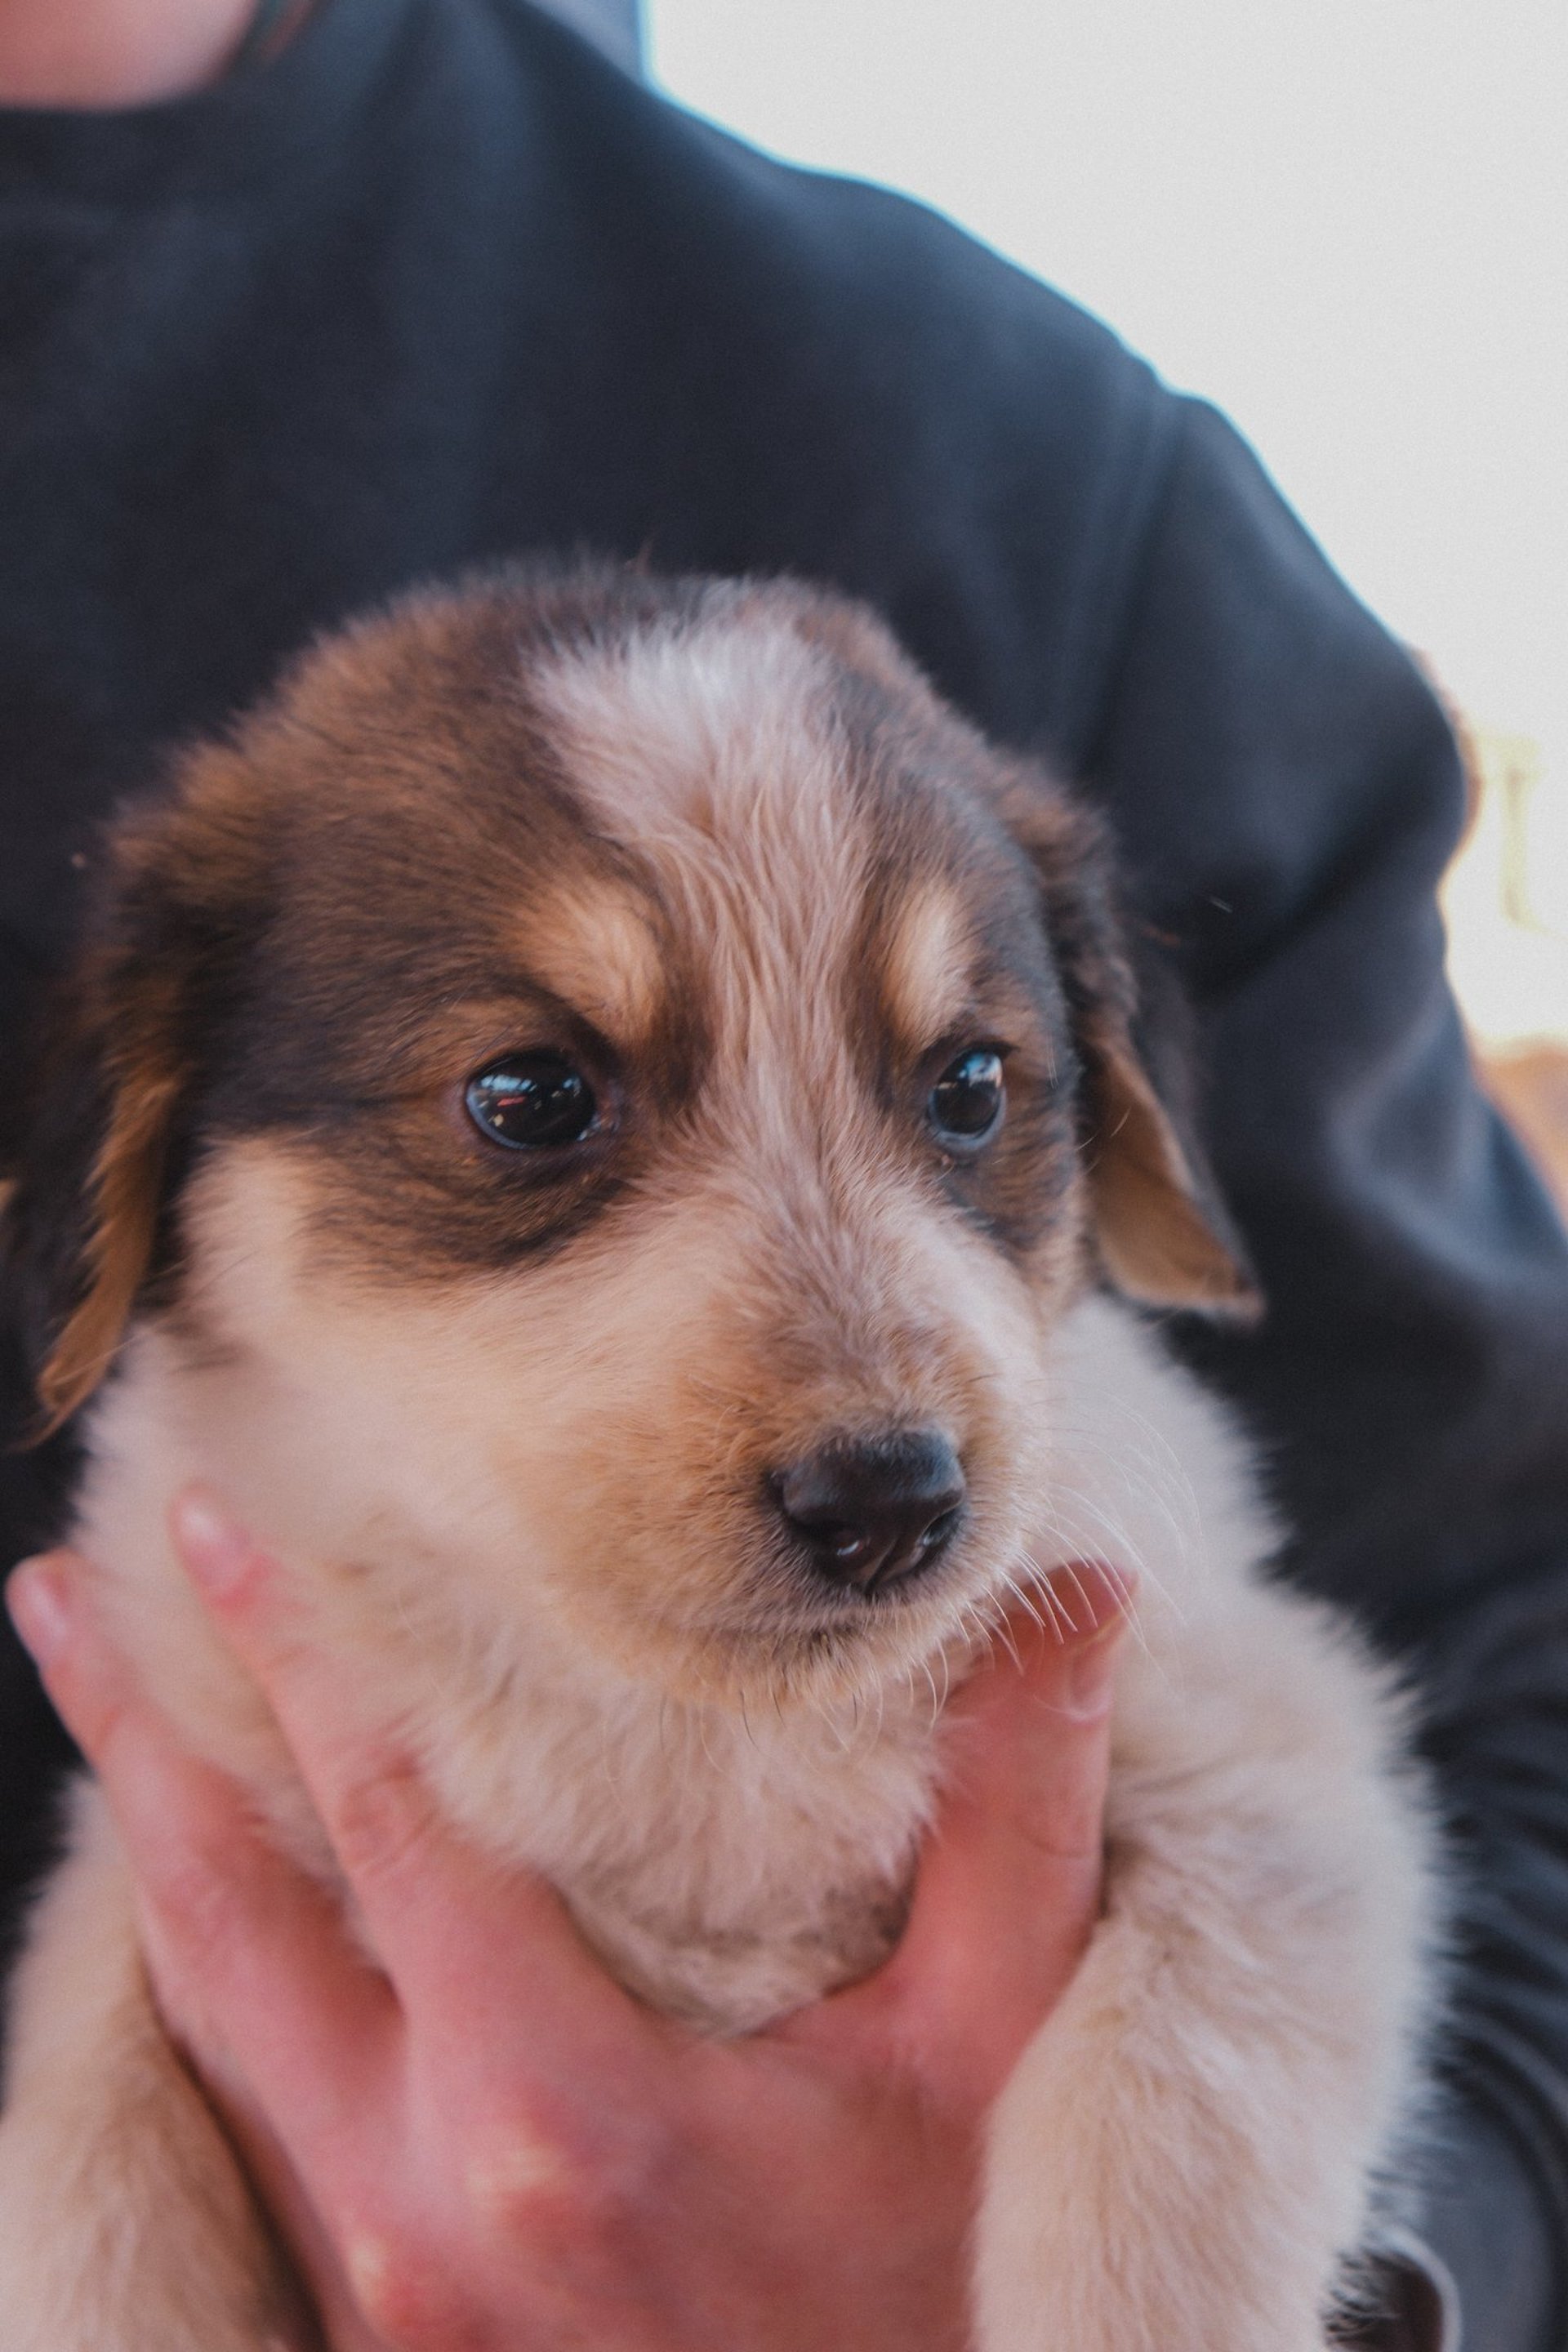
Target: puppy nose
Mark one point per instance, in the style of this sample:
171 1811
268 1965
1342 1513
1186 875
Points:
869 1511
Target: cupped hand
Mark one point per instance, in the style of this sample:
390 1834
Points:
479 2142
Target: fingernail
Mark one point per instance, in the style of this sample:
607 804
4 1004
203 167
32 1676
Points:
39 1600
214 1550
1090 1675
1092 1598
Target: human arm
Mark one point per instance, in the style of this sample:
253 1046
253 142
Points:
1288 794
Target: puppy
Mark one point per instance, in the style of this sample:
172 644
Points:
603 1120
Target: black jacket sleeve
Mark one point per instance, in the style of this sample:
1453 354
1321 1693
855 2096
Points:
1288 792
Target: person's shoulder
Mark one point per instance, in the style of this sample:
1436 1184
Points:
861 267
742 364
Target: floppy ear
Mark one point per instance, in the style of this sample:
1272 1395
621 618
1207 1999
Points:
84 1214
1163 1235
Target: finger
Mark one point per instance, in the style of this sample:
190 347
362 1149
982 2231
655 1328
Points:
254 1968
44 1596
1028 1752
458 1935
1007 1890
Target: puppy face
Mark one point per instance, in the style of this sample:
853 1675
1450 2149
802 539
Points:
628 1081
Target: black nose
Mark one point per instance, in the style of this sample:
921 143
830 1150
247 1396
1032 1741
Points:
871 1509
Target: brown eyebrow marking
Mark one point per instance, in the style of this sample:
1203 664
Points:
928 974
596 950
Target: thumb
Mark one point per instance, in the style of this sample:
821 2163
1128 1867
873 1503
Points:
1008 1885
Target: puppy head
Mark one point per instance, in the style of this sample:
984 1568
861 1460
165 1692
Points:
614 1082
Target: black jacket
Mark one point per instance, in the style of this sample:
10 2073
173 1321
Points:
441 285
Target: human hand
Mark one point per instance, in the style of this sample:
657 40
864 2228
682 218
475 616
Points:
480 2143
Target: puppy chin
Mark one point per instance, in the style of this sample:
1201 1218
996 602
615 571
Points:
822 1651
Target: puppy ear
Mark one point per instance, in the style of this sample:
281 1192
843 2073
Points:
85 1215
1163 1235
85 1212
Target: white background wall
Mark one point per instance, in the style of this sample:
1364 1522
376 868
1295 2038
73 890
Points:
1346 221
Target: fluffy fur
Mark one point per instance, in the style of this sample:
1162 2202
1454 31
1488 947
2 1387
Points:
518 1418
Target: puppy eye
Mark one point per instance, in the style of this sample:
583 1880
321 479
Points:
531 1102
966 1103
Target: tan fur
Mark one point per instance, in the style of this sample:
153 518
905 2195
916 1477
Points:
928 987
518 1426
602 956
1154 1240
126 1183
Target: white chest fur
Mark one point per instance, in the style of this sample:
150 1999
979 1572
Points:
731 1865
